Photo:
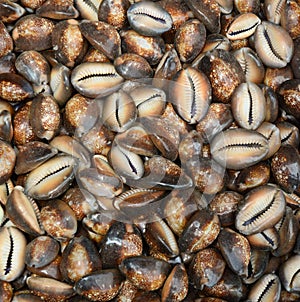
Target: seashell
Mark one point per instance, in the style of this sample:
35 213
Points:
150 101
12 251
79 258
49 288
7 63
58 10
73 147
257 265
120 242
251 64
166 69
264 201
148 18
34 67
24 212
150 48
236 251
290 95
289 274
14 88
248 106
201 230
247 6
272 133
6 40
119 111
88 9
58 220
190 39
267 288
271 103
273 10
126 163
161 239
164 136
102 285
191 93
229 287
225 205
242 26
132 66
287 229
208 12
80 115
289 134
145 272
162 174
272 53
290 20
114 12
10 11
68 42
6 129
239 148
60 83
51 179
226 6
206 268
44 116
274 77
285 166
5 190
7 161
102 36
101 180
136 140
95 79
176 285
296 58
224 73
41 251
32 32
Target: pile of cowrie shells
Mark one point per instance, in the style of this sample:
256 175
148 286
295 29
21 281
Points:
149 150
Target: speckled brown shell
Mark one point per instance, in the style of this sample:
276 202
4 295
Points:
33 33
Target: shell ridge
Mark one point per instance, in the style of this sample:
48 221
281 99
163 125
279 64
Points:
10 255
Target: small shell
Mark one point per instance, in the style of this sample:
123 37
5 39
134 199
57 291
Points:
24 212
119 111
289 274
273 53
10 11
239 148
148 18
50 179
191 93
7 161
95 79
273 10
102 36
290 19
58 10
267 288
248 106
265 201
145 272
12 251
88 9
6 41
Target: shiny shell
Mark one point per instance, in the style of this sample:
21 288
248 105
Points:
12 251
273 53
95 79
50 179
191 93
265 201
149 18
239 148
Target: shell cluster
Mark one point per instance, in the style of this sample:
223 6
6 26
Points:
149 150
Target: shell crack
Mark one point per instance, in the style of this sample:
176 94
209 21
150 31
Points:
102 75
237 32
269 42
193 110
241 146
268 239
147 14
267 288
51 173
250 116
